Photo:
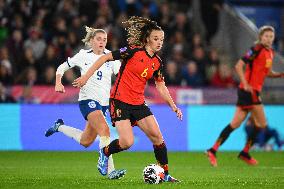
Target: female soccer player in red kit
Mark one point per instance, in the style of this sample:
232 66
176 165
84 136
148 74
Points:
258 62
127 101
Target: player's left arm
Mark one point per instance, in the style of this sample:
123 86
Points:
164 92
273 74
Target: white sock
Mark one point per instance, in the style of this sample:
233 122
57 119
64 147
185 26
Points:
71 132
104 141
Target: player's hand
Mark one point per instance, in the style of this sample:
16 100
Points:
80 82
247 87
282 75
59 88
179 113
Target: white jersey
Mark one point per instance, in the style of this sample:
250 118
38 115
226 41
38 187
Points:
98 86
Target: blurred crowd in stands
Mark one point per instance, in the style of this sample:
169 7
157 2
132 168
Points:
37 36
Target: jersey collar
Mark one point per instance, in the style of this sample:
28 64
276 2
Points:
148 53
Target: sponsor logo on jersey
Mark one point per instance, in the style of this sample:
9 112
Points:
268 63
249 53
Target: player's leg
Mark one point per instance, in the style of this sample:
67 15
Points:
151 128
260 123
98 123
238 118
120 117
125 141
88 136
69 131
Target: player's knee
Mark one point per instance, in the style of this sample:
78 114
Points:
235 125
261 126
126 143
157 138
105 131
86 143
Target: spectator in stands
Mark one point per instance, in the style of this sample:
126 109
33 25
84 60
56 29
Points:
182 24
73 42
28 77
173 76
179 42
48 76
191 75
213 58
5 67
196 41
28 60
264 136
212 63
210 16
165 16
5 74
49 59
4 97
200 59
17 23
15 46
36 43
223 77
27 96
77 28
63 49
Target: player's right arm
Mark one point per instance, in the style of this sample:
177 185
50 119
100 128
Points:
59 87
62 68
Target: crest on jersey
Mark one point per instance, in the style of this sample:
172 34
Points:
92 104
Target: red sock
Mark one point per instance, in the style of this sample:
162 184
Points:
247 146
216 145
166 168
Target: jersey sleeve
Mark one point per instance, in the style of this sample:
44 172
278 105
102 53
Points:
116 66
75 60
251 54
123 53
158 74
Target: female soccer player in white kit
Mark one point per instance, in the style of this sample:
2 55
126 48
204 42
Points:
93 97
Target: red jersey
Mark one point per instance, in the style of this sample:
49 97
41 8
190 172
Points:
258 63
137 67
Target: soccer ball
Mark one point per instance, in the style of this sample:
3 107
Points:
153 174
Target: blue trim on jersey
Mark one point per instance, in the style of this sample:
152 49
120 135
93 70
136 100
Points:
88 106
90 51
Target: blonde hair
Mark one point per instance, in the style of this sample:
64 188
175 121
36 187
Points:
138 29
91 32
264 29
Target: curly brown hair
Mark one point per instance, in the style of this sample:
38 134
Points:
138 29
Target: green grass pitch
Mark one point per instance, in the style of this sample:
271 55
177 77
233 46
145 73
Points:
78 170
